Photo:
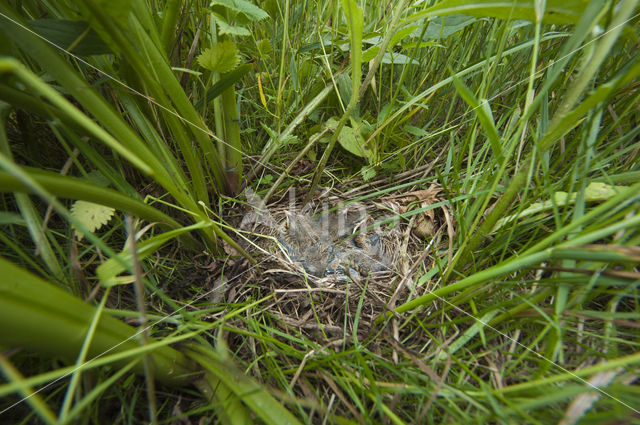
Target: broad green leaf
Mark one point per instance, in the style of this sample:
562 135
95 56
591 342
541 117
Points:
370 53
345 86
398 58
413 31
556 12
388 57
221 57
484 114
331 124
443 26
350 139
250 10
400 35
92 216
403 33
73 36
226 28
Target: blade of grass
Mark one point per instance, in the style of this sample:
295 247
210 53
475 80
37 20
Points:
29 213
73 188
82 356
356 25
51 319
30 396
254 396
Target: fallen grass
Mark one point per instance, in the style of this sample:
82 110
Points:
523 309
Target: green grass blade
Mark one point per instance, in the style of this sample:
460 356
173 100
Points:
30 396
483 112
82 357
256 397
32 81
557 11
40 317
74 188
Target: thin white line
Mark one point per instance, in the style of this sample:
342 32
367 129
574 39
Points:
459 117
510 338
535 352
149 98
264 165
129 338
208 132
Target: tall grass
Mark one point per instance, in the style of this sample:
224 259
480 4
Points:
526 115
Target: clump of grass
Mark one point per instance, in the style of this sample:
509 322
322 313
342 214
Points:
523 310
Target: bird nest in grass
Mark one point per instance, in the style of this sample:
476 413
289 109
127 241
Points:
335 260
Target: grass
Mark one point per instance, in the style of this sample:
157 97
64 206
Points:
522 306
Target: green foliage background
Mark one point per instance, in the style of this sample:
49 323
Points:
525 112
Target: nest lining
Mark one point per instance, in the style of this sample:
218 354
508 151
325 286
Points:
333 261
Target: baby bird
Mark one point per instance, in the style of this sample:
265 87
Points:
334 244
304 243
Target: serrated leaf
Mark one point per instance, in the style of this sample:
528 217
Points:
368 173
264 46
248 9
226 28
92 216
221 57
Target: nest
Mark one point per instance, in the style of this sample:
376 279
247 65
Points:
335 265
